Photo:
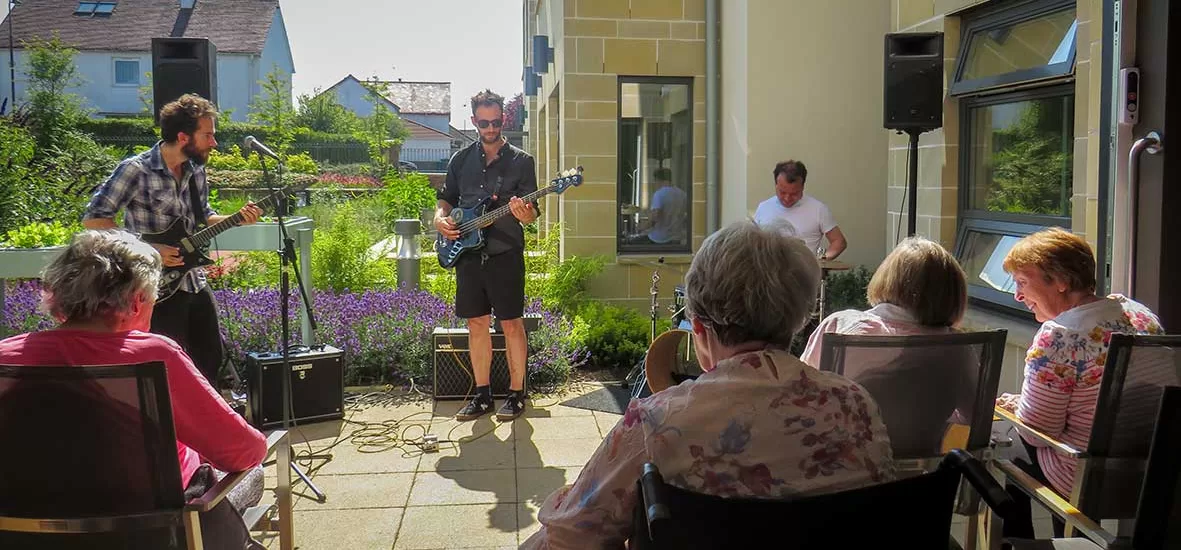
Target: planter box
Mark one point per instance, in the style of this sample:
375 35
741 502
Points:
26 263
265 236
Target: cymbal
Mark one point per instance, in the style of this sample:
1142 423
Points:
834 265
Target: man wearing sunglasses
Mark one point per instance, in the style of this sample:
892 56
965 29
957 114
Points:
491 279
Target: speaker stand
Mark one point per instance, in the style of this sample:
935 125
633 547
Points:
913 183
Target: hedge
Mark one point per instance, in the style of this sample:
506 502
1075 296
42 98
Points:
127 132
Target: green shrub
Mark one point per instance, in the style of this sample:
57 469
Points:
16 157
232 159
245 270
252 179
406 196
617 337
39 235
341 258
847 289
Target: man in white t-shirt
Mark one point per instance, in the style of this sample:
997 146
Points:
811 218
667 210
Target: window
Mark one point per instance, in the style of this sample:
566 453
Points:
127 72
95 8
1017 140
1019 43
655 180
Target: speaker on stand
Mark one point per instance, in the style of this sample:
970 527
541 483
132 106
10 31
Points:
913 97
182 66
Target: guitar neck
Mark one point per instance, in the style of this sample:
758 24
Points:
489 217
205 236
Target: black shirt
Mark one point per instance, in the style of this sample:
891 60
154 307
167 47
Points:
470 179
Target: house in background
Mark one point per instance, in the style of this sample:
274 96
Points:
425 107
114 43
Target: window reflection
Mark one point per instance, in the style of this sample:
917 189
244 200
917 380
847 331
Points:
655 165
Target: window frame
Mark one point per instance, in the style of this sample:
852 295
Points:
1005 14
115 72
626 249
981 295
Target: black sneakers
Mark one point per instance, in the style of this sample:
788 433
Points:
479 406
514 405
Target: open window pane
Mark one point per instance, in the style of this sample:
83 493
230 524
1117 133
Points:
1002 47
1021 157
655 165
981 250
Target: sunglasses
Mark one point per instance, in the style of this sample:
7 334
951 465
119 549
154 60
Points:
497 123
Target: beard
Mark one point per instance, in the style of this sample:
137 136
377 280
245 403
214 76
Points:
495 138
196 155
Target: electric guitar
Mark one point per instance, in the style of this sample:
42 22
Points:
473 221
193 248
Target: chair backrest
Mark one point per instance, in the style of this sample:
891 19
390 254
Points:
1136 372
923 382
915 509
1158 518
87 442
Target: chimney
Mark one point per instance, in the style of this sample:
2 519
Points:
187 4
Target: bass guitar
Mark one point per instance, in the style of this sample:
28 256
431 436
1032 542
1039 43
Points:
193 248
473 221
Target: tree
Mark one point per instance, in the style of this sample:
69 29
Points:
321 112
1029 163
382 129
51 72
514 113
272 108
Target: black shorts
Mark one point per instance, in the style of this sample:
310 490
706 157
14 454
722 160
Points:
492 284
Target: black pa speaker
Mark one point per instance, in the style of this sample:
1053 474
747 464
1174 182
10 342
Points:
453 365
182 66
914 81
317 387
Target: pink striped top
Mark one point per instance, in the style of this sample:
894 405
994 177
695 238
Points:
1063 369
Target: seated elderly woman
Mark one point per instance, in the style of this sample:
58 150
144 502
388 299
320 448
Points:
752 425
101 290
918 289
1054 271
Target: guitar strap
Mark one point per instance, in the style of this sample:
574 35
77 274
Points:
199 219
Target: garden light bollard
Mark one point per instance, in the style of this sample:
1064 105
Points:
409 255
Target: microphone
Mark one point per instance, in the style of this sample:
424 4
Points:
251 144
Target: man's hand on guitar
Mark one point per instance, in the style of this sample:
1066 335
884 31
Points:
446 227
250 213
522 210
169 254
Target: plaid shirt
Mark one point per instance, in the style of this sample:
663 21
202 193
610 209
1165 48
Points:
151 198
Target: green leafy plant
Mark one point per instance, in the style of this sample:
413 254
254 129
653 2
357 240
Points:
320 111
617 337
40 235
382 129
51 72
406 196
232 159
272 108
244 271
847 289
17 149
341 259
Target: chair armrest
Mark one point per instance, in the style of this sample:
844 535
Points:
1058 506
985 485
215 494
1058 446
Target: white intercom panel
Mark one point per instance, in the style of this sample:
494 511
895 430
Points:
1129 83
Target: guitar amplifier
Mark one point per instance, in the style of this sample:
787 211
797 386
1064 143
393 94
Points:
453 365
317 387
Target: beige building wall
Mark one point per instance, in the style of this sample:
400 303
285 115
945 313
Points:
939 153
802 80
596 41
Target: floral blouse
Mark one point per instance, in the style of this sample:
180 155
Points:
760 425
1063 369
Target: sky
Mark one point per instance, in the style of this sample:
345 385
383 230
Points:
435 40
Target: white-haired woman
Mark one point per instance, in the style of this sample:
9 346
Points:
759 423
101 291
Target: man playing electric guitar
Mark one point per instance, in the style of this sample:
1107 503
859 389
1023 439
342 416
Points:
491 278
157 187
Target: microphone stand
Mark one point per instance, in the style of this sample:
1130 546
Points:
287 258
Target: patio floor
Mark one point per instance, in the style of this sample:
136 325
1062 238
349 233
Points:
481 492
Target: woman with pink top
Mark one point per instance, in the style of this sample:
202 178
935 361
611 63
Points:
102 290
919 289
1054 271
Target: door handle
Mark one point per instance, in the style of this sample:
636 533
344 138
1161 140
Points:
1152 143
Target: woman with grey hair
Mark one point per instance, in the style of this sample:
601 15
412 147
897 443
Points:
758 423
101 291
